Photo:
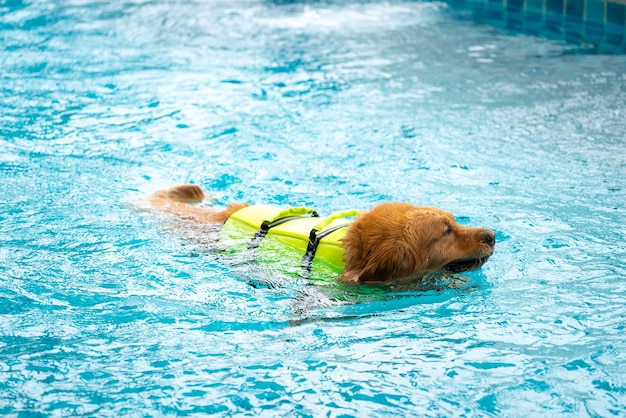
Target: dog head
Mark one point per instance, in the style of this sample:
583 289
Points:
396 241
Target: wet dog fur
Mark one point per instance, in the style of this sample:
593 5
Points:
392 242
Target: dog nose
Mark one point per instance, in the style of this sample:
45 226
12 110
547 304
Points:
489 238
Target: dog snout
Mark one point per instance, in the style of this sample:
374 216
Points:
489 238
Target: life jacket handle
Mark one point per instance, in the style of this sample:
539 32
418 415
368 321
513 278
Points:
281 217
294 211
335 215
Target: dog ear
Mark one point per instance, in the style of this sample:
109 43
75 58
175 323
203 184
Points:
382 269
375 274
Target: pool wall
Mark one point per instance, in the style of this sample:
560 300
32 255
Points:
602 23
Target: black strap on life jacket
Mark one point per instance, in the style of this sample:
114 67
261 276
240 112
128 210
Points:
267 225
311 248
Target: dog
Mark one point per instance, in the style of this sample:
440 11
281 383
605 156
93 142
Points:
393 242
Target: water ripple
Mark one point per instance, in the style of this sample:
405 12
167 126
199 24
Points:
108 309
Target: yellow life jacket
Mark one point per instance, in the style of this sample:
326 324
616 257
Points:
296 238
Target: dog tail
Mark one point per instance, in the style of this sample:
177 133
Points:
176 201
185 193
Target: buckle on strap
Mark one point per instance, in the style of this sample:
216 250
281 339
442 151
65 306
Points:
282 217
314 242
317 233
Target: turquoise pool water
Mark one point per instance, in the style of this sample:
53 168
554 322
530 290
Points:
109 310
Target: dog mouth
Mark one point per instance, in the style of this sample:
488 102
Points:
460 266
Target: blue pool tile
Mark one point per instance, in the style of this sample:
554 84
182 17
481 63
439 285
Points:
553 21
533 21
599 23
476 2
459 3
594 10
555 6
616 13
614 34
495 10
477 5
539 5
515 5
514 17
613 42
574 29
594 28
574 9
572 35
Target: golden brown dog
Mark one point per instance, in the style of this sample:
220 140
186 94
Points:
391 242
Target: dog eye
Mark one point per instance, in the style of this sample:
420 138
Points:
447 231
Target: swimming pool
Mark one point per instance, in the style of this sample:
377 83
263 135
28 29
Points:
104 310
